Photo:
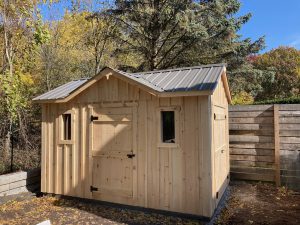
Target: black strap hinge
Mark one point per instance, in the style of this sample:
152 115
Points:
94 118
93 189
130 156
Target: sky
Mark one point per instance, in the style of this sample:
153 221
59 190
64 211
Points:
278 20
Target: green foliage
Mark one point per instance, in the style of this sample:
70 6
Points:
41 33
242 98
17 92
284 62
170 33
291 100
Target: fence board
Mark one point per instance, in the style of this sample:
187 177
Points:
290 126
251 164
253 143
254 158
290 120
249 151
250 127
252 176
291 147
289 113
243 114
249 108
246 138
289 107
259 120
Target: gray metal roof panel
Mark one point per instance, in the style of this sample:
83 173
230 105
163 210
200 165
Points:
198 78
62 91
185 79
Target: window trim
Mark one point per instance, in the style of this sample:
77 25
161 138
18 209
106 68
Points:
160 143
61 128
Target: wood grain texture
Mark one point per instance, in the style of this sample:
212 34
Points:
258 147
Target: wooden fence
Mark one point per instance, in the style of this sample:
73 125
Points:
265 143
15 183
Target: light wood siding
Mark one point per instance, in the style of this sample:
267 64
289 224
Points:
220 141
265 143
176 177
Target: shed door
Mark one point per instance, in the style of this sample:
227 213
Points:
114 159
221 149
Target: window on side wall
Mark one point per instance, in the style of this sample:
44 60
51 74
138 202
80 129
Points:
67 127
168 126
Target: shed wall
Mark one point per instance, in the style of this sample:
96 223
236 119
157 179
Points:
168 178
220 142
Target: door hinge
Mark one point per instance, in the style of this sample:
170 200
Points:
131 155
217 195
93 189
94 118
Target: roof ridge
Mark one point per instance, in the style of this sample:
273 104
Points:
83 78
183 68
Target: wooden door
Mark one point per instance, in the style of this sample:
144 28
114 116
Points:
113 153
221 149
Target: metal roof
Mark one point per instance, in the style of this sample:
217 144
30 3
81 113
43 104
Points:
61 91
198 78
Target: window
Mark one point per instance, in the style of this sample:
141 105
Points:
67 126
168 126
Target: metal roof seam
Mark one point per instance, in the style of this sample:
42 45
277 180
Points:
194 78
170 80
180 82
165 76
205 78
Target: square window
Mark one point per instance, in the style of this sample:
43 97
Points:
168 126
67 126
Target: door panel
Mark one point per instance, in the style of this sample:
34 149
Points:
113 153
220 147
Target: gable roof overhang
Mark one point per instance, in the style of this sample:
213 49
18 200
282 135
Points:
142 84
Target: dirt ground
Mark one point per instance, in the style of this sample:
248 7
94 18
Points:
260 203
248 203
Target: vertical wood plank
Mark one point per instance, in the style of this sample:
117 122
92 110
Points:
89 180
44 149
75 152
277 145
50 151
134 146
142 150
56 139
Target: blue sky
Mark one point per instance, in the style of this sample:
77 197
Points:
278 20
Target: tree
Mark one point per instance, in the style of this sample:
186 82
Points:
284 62
174 33
101 39
22 30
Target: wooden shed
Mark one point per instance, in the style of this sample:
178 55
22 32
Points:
155 139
